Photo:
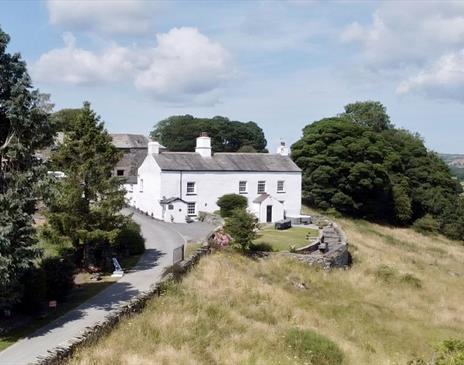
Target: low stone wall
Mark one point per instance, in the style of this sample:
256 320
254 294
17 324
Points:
136 305
337 254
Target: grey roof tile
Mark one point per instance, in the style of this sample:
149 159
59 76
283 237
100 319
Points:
252 162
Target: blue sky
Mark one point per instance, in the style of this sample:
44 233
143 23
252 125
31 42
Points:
282 64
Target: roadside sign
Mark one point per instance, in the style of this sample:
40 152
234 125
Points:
52 304
178 254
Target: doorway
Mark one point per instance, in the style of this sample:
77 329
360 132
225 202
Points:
269 214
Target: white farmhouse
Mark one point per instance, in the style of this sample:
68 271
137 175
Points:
172 186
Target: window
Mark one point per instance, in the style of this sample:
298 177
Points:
242 187
190 188
141 186
120 172
191 209
281 186
170 207
261 187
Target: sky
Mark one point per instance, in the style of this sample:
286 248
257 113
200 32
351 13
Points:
282 64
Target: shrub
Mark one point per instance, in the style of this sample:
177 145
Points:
313 348
130 239
447 352
34 290
229 202
242 226
426 224
59 274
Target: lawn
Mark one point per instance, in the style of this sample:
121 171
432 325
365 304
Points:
403 294
281 240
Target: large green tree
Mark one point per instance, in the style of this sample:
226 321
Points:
24 128
367 168
86 204
179 133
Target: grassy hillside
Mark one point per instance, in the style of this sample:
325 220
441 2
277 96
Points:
404 293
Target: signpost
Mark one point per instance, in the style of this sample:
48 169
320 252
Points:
52 304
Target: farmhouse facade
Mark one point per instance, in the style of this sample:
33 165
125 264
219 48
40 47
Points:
176 186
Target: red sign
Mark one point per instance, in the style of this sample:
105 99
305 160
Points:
52 304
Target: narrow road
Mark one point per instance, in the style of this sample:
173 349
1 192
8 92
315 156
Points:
160 240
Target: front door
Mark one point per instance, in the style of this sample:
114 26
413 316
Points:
269 214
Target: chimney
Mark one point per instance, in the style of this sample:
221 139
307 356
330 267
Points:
153 147
203 145
283 149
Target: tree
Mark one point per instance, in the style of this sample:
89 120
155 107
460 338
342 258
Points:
64 118
24 128
242 226
179 133
229 202
379 173
371 114
86 204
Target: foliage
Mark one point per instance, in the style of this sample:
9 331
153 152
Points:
447 352
229 202
219 239
179 133
311 347
24 128
371 114
85 205
34 291
426 224
130 239
63 119
59 274
368 169
242 226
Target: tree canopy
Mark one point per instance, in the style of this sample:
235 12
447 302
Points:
86 204
24 128
368 171
179 133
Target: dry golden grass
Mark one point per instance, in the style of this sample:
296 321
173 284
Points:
404 293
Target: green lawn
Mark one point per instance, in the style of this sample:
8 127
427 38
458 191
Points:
280 240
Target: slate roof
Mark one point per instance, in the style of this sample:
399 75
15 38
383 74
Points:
261 198
170 200
252 162
124 140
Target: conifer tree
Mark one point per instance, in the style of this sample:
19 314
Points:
24 128
86 204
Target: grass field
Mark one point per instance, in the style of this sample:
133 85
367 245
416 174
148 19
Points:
403 294
281 240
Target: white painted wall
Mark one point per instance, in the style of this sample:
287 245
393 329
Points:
212 185
260 209
154 185
176 214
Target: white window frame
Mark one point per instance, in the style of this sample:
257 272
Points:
192 191
245 190
189 204
261 183
281 189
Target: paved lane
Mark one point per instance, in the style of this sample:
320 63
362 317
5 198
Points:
160 240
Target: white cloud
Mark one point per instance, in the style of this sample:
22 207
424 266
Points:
185 62
403 33
444 79
184 66
76 66
115 17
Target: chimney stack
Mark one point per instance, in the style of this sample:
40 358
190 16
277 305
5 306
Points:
204 145
153 147
283 149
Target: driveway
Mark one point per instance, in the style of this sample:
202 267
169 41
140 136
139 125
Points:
160 240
